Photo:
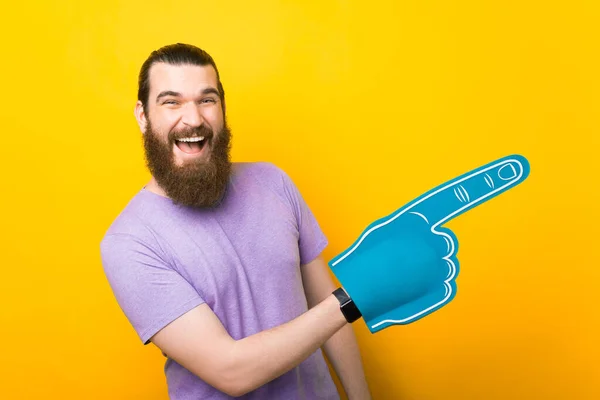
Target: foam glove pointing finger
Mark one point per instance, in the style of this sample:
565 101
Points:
404 266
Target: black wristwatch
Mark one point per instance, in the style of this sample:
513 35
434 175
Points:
347 306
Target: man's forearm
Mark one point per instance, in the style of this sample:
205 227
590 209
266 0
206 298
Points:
260 358
343 353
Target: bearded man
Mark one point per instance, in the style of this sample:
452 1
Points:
219 264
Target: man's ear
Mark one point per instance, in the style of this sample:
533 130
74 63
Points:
140 116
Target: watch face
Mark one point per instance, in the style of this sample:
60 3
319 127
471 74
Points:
347 306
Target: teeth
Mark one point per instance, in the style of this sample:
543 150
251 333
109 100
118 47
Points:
191 139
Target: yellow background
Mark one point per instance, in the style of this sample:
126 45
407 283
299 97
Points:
366 105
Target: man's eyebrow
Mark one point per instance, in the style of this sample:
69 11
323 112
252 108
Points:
211 90
166 93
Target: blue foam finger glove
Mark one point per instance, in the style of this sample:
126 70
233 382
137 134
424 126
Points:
404 266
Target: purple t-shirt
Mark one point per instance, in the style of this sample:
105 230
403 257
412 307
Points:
242 258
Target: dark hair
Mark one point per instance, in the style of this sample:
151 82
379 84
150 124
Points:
175 54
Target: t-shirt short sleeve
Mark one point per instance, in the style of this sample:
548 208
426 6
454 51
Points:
312 240
148 290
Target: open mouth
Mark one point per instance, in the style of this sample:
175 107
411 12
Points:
191 145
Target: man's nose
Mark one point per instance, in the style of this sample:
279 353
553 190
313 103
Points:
192 115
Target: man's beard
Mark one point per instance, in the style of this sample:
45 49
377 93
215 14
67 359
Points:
197 183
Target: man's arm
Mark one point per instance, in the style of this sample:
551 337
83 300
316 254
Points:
341 349
199 342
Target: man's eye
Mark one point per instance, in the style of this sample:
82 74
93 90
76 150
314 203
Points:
170 102
209 100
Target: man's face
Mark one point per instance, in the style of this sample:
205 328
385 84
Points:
186 138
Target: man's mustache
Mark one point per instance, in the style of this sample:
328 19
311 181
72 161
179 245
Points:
203 130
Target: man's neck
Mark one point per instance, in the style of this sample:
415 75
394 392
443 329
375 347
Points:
154 187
